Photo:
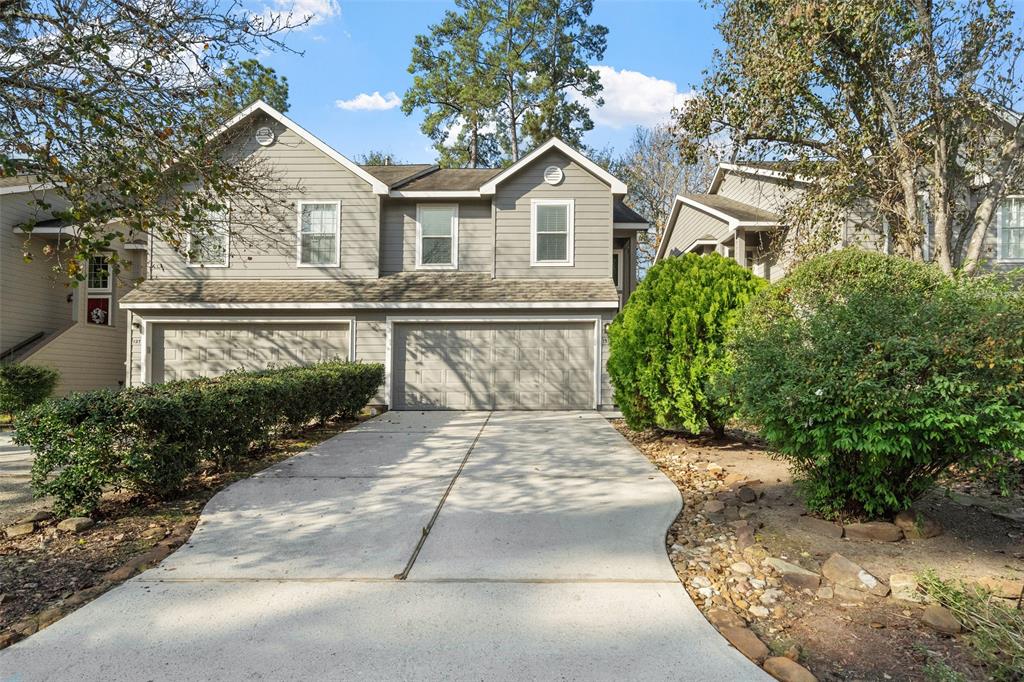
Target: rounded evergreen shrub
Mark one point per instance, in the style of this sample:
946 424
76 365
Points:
872 375
22 386
667 348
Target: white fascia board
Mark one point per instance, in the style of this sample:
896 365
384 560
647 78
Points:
617 186
724 217
700 242
435 194
20 189
259 105
765 172
631 226
360 305
669 226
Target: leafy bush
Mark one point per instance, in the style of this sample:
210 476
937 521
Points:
872 375
150 439
667 349
22 386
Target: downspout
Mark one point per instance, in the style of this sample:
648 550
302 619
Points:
494 239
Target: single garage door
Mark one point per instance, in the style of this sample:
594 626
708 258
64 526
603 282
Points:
472 366
185 351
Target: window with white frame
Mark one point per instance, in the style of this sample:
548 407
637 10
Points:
99 292
551 232
319 233
208 245
437 236
1011 229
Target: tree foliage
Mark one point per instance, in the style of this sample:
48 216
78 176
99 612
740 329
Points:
495 76
246 82
377 157
667 349
879 100
109 103
872 375
655 171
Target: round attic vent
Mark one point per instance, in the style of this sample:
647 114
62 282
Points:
264 136
553 175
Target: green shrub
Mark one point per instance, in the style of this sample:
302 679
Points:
872 375
150 439
667 348
22 386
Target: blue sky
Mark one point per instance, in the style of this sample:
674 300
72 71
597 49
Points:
656 52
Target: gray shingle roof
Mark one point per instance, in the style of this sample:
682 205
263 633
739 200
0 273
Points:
450 179
624 214
393 174
405 287
735 209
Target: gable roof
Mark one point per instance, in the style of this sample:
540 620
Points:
395 174
733 213
778 170
617 186
625 216
450 180
378 185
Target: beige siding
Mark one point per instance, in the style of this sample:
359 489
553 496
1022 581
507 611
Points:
593 220
32 297
88 356
692 224
266 246
398 236
755 190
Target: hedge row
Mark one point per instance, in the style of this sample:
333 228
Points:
22 386
151 438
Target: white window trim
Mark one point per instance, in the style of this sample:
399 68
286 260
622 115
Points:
570 204
110 307
999 230
621 268
110 284
298 233
227 248
454 265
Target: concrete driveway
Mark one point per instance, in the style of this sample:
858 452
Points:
449 545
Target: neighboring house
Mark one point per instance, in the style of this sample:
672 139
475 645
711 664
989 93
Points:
476 288
78 331
739 217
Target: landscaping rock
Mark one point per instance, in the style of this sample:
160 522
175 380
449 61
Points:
1002 587
940 619
724 618
747 643
747 495
788 670
742 567
904 588
20 530
76 524
874 530
916 525
847 595
714 507
795 576
825 593
744 538
842 571
153 533
759 611
821 527
38 516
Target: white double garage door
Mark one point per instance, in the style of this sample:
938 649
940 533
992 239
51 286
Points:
444 365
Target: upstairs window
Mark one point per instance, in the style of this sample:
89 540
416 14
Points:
99 292
1011 229
437 236
208 246
551 232
319 233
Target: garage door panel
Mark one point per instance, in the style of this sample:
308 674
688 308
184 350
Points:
197 350
494 366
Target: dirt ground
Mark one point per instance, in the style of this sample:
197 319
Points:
870 639
45 575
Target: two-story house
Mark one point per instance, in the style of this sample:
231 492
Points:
476 288
739 217
79 331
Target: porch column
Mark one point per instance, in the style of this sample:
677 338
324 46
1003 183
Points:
740 247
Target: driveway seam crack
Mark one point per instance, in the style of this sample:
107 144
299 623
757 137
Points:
430 524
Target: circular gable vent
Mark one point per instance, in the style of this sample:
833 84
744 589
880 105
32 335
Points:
553 175
264 136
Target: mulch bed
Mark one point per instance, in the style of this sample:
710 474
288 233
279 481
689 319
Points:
719 556
49 573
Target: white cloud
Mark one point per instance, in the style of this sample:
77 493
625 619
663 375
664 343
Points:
374 102
305 12
459 124
632 98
